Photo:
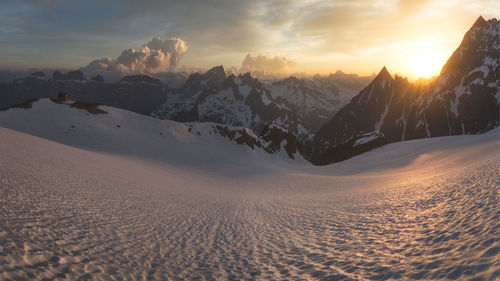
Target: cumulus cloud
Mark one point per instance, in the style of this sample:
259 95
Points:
154 57
266 65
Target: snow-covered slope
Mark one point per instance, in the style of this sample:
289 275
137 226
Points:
422 209
463 99
124 132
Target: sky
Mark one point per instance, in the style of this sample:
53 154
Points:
410 37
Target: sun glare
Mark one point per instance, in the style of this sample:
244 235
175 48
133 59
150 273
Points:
425 63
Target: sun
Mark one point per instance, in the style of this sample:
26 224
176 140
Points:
425 63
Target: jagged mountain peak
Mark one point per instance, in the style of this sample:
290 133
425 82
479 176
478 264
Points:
192 78
479 25
141 78
70 75
383 74
248 79
38 74
292 80
339 72
210 79
382 79
246 75
480 21
404 79
480 42
216 73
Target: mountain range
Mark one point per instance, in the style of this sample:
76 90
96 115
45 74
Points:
463 99
300 106
324 119
297 105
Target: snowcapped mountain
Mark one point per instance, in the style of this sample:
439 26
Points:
299 106
236 101
463 99
314 101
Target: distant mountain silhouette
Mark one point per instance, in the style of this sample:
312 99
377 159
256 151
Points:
138 93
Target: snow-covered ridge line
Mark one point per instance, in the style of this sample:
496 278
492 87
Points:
110 129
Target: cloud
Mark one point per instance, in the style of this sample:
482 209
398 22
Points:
266 65
154 57
69 34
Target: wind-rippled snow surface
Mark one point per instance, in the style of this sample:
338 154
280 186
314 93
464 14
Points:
67 213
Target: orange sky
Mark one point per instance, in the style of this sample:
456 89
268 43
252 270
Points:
411 37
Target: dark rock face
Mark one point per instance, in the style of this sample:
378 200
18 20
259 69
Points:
92 108
66 99
63 97
212 79
463 99
97 78
367 111
272 140
76 75
58 75
352 147
173 79
135 79
215 75
38 74
275 136
25 105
